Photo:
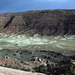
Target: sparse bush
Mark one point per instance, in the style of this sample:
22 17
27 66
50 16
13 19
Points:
1 65
9 66
6 64
24 69
15 67
70 71
42 69
64 62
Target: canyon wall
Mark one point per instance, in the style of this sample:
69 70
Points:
42 22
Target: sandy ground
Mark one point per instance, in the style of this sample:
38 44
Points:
9 71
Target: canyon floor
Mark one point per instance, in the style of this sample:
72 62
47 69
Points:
27 53
61 44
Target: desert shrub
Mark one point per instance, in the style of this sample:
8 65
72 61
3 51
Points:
24 69
42 69
9 66
1 65
70 71
64 62
15 67
6 64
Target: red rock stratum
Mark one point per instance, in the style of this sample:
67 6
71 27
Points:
46 22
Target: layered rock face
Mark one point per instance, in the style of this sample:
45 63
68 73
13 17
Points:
46 22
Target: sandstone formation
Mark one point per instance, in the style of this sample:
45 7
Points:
9 71
45 22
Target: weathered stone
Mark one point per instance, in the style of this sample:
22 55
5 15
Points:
46 22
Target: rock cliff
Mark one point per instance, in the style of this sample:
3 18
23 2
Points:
44 22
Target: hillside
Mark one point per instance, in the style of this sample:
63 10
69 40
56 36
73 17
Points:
38 41
45 22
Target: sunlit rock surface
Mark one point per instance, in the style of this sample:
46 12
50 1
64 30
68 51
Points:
9 71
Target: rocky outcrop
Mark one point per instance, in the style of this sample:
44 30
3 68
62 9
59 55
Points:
9 71
46 22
